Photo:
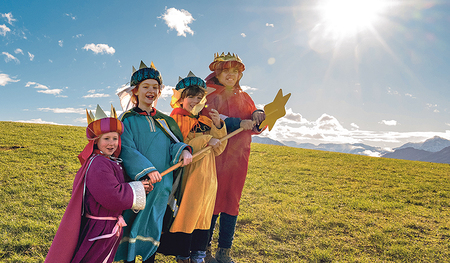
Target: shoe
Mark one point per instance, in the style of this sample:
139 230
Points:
223 255
209 257
183 260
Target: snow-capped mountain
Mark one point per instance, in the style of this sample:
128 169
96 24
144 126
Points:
435 149
434 144
357 148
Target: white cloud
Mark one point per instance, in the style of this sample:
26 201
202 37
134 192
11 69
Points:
60 43
50 91
166 92
354 125
100 48
269 25
243 35
178 20
71 16
248 89
18 50
40 121
64 110
44 89
5 79
9 17
392 92
4 29
328 122
290 115
327 129
371 153
96 95
78 36
31 56
389 123
10 57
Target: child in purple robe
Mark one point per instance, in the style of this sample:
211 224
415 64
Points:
91 228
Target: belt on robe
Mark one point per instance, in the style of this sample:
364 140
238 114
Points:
116 230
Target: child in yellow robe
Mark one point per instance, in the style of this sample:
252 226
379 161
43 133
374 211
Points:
189 233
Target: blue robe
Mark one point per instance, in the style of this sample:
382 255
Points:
148 146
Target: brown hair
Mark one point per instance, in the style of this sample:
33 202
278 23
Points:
192 91
134 97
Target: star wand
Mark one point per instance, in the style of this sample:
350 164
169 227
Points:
273 110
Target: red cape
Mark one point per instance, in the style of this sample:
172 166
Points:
66 238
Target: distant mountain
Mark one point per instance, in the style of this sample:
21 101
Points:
265 140
443 156
434 144
435 149
408 153
357 148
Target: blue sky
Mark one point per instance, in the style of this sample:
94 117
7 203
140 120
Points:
367 71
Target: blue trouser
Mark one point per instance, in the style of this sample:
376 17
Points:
227 225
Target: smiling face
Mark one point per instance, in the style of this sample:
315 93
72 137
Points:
229 76
190 101
147 93
108 143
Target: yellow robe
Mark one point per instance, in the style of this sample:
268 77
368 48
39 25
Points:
199 185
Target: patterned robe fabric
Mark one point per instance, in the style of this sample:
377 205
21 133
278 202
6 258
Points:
199 185
232 164
147 146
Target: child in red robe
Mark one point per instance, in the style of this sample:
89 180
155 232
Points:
238 110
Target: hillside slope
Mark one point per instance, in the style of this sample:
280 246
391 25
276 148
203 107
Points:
298 205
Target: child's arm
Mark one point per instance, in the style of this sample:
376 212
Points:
104 185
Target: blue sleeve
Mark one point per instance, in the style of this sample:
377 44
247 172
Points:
136 165
232 124
176 149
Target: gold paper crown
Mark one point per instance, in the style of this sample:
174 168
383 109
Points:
227 57
99 114
142 65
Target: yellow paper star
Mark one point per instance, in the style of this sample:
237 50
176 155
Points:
275 110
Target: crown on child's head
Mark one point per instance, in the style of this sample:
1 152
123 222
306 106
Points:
99 123
144 73
227 57
226 61
190 80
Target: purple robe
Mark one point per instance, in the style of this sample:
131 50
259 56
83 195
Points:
106 194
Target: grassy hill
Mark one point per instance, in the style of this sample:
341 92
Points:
298 205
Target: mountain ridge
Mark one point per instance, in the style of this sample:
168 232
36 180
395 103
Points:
436 149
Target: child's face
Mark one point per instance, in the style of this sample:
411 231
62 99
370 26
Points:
190 101
108 142
147 93
228 77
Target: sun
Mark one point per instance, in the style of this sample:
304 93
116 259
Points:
348 17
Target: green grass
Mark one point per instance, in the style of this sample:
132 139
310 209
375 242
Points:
297 206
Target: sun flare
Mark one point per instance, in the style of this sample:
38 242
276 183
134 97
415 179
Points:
348 17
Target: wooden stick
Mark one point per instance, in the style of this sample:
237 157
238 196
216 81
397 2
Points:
202 151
